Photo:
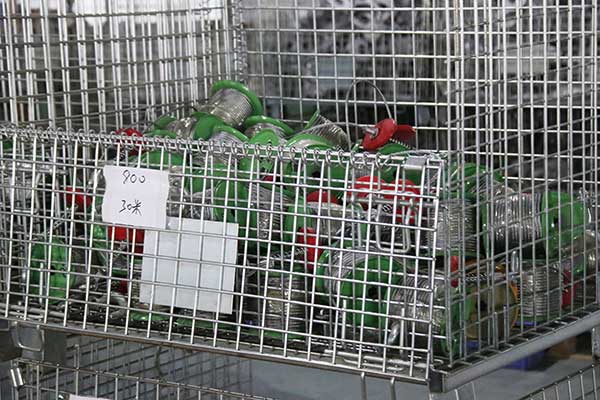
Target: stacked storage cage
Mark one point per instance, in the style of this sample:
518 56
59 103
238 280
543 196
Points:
406 190
101 368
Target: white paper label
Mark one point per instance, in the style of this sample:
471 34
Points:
192 276
135 196
75 397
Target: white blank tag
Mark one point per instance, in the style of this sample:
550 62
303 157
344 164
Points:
135 196
191 275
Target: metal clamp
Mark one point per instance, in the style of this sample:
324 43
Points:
22 346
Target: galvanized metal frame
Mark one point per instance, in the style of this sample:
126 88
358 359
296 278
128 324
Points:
508 87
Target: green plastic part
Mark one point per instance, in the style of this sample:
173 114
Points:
561 225
237 195
163 121
389 174
257 108
141 316
316 141
377 270
313 118
265 137
471 172
226 128
257 119
58 262
7 145
157 159
205 126
312 142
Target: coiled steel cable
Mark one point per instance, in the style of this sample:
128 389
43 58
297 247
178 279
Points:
328 130
412 301
283 291
183 128
539 291
260 126
231 105
516 218
455 227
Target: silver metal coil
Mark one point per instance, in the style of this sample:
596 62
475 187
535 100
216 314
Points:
260 126
516 217
183 128
454 227
231 105
283 290
539 293
488 186
269 212
330 131
411 303
220 138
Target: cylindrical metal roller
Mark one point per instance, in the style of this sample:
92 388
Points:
257 207
183 128
418 300
259 123
519 220
539 291
280 290
232 102
223 136
321 126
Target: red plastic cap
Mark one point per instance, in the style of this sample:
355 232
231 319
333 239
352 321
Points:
129 235
402 186
308 236
323 196
81 199
404 133
130 132
569 290
122 287
381 135
454 268
371 183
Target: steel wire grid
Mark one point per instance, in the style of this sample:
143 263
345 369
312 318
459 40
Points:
505 91
118 369
105 65
581 385
326 302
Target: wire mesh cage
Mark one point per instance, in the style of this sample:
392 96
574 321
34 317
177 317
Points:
107 369
581 385
471 239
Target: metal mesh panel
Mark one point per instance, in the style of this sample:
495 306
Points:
313 282
497 244
117 369
105 65
578 386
